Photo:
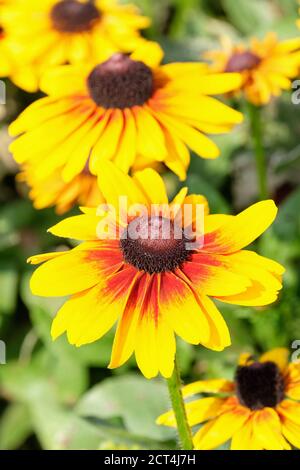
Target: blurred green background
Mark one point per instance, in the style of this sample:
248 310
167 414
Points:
54 396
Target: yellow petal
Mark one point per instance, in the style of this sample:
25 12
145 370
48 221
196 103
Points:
267 428
153 186
220 430
278 355
208 386
197 411
242 229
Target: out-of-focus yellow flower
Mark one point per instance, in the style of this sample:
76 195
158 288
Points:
128 109
260 410
149 273
52 32
50 191
266 66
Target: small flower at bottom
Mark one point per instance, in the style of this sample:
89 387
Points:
154 285
266 66
256 411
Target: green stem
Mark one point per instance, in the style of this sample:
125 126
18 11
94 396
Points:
260 156
184 431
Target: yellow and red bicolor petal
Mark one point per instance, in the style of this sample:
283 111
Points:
74 271
143 329
214 275
179 306
197 412
87 316
124 341
267 429
278 355
221 429
241 230
155 345
208 386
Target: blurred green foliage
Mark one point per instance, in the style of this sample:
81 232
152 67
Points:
54 396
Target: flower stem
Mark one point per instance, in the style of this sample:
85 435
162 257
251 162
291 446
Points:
260 156
184 431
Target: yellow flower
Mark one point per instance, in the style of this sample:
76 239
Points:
152 274
82 190
126 109
257 411
266 66
52 32
5 61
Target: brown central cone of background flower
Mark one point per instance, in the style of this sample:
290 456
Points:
259 385
242 61
120 82
71 16
154 244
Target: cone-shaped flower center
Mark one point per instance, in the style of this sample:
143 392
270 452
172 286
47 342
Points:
242 61
154 244
72 16
120 82
259 385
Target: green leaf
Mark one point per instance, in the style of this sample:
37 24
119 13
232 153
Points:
8 287
248 16
138 401
15 426
198 185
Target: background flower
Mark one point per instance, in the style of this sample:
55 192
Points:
54 32
257 411
266 66
129 110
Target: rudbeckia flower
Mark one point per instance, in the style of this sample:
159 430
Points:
257 411
124 109
266 66
53 191
152 275
52 32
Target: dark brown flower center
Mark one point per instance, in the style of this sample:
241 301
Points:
154 244
72 16
120 82
242 61
259 385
